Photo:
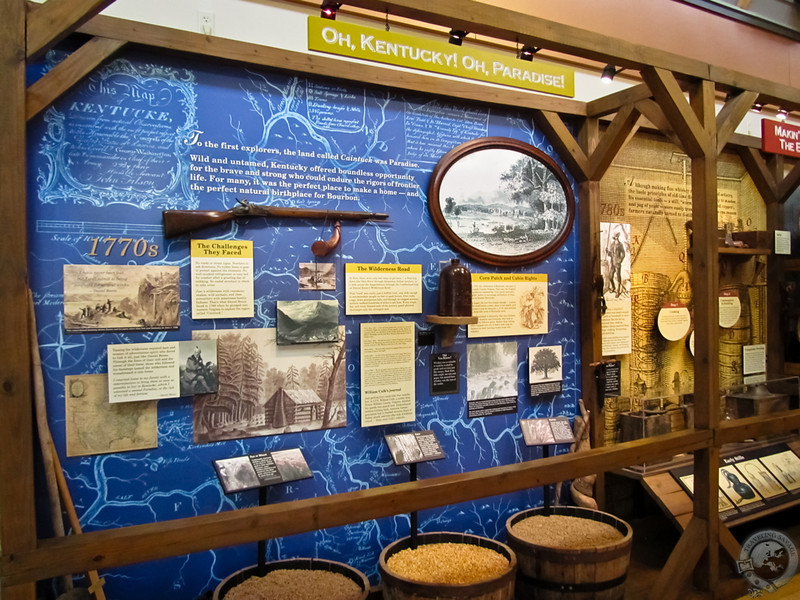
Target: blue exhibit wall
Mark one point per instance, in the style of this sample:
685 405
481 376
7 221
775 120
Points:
111 154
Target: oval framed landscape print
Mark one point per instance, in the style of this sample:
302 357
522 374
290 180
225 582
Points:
501 201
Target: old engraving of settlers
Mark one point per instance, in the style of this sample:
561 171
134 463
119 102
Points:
120 297
267 389
503 202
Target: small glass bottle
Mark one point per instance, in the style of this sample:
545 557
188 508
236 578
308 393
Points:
455 290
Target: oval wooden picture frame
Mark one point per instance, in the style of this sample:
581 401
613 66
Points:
501 201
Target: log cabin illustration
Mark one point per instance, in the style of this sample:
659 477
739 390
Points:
293 407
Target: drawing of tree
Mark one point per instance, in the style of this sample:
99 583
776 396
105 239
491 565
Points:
334 367
524 180
292 378
545 360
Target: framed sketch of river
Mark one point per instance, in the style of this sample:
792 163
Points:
501 201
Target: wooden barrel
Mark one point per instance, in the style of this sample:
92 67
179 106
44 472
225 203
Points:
315 564
548 573
396 587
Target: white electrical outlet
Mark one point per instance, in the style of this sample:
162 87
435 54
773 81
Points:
206 22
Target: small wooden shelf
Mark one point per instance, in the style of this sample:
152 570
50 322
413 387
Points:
745 251
449 326
439 320
791 264
731 251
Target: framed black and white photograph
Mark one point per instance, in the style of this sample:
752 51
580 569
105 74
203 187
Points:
307 321
501 201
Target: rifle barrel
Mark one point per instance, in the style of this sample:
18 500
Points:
180 222
288 212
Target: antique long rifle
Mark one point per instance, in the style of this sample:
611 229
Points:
180 222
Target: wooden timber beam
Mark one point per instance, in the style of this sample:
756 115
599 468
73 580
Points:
68 72
513 26
564 143
770 180
679 113
729 543
139 543
705 277
759 172
731 114
613 102
694 122
622 127
653 113
52 21
17 501
789 184
589 305
680 563
316 64
583 166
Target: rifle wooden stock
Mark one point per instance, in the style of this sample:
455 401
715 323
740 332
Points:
180 222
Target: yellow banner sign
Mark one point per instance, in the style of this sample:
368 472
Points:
347 39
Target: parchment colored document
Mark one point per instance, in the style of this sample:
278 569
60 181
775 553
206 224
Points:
387 373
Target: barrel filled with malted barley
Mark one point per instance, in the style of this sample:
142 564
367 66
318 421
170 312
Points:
570 553
447 565
295 579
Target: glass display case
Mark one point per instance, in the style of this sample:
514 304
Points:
760 395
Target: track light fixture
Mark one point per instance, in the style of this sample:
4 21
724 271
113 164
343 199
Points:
757 107
457 36
782 114
609 72
328 10
527 52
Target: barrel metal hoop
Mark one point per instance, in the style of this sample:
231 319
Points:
594 586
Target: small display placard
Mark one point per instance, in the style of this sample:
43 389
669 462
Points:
252 471
553 430
414 447
445 373
613 379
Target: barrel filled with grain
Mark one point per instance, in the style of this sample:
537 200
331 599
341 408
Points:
447 566
295 579
570 553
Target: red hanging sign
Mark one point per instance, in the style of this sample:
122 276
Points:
780 138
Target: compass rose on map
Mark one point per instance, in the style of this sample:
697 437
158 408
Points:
57 352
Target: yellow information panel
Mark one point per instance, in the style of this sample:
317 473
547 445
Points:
403 50
378 289
509 304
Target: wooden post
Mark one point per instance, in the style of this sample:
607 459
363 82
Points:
17 514
589 308
775 267
695 126
705 278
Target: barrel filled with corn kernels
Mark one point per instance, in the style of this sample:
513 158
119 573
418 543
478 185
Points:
447 565
570 553
295 579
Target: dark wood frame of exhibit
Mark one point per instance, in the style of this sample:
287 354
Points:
26 30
